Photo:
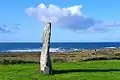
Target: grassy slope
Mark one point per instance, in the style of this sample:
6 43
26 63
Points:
92 70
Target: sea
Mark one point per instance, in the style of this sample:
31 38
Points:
56 46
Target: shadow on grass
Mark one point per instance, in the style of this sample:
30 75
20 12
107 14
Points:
83 70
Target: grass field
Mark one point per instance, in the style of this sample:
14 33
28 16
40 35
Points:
89 70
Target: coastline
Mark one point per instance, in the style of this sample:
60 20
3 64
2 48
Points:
75 56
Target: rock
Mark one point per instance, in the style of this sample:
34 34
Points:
45 60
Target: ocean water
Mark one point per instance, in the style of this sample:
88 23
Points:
55 47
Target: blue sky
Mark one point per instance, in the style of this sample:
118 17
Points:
79 21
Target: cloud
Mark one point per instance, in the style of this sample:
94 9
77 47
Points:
69 17
8 29
3 29
113 24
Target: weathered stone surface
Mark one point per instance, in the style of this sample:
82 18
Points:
45 61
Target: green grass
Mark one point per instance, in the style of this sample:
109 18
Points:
91 70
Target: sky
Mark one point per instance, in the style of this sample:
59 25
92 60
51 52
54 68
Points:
72 20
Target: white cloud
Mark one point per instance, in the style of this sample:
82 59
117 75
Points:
53 13
69 17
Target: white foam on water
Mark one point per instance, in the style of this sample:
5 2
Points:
111 47
51 50
26 50
38 50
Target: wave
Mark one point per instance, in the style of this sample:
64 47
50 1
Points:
39 50
112 47
51 49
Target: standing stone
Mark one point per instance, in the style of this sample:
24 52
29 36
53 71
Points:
45 61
